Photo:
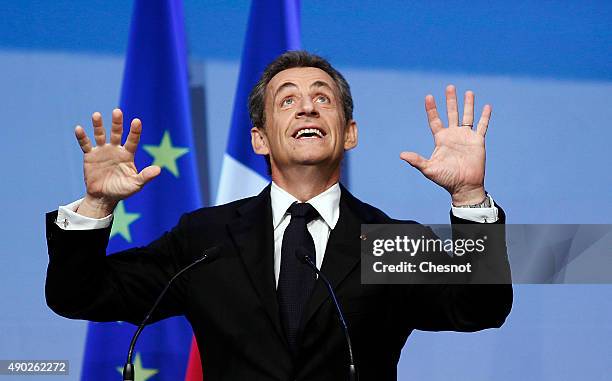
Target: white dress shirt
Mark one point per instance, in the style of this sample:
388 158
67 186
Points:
327 205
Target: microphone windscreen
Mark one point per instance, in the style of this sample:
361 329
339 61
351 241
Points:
212 253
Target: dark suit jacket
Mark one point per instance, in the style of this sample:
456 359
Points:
231 301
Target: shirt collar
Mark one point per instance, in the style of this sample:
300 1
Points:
326 203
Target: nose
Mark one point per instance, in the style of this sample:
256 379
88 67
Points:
307 109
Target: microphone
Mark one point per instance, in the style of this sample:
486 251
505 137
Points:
304 256
210 254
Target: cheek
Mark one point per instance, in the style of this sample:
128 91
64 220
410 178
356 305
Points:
339 130
275 134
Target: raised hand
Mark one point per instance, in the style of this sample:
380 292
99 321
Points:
109 170
458 161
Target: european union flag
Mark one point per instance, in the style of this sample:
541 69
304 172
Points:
155 89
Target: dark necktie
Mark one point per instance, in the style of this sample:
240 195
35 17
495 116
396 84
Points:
296 280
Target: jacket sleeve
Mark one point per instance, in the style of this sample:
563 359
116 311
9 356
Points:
476 305
84 283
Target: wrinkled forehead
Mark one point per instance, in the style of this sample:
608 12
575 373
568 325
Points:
300 77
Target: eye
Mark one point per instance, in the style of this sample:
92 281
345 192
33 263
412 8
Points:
287 102
322 99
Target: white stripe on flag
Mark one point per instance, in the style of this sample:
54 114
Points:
237 181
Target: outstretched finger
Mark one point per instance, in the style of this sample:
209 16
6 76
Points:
433 118
414 159
468 108
451 106
131 143
82 138
148 174
117 127
99 133
483 123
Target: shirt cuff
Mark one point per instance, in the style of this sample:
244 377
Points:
482 215
69 219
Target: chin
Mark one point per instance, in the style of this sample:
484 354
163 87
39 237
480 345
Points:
316 160
311 162
314 155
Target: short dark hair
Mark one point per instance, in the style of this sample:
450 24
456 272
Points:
289 60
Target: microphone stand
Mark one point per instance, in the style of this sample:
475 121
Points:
128 368
304 257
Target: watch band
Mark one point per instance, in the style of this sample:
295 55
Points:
486 203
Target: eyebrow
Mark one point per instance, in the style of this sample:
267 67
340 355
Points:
321 84
291 84
284 86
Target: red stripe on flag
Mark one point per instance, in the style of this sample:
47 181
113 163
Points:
194 366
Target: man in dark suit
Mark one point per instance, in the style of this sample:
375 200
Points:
257 313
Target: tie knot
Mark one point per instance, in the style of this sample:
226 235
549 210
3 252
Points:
303 210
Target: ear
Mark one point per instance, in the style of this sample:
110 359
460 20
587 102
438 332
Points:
350 135
259 141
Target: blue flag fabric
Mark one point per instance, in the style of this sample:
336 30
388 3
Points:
274 28
155 89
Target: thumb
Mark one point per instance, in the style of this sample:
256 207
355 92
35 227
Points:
148 174
414 159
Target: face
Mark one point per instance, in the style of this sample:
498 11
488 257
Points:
304 121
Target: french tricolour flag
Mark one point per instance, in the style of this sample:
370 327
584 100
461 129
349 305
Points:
274 27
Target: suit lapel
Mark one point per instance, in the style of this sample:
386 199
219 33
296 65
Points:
254 237
342 254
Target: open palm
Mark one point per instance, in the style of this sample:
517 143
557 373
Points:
109 170
458 161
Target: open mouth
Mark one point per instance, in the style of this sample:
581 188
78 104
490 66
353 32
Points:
309 133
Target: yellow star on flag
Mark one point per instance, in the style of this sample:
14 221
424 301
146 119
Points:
122 221
140 373
165 155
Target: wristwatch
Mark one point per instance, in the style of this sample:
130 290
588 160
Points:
486 203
